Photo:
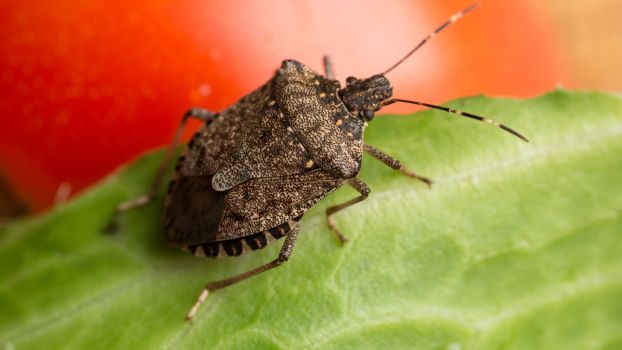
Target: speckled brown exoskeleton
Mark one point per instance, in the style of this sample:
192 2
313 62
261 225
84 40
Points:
251 171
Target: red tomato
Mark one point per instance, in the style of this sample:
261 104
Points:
88 85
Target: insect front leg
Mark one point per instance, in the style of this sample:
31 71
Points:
394 164
328 68
198 113
363 189
284 254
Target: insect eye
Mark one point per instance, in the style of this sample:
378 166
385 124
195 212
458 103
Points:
351 80
368 114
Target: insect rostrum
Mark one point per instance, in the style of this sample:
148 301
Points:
251 171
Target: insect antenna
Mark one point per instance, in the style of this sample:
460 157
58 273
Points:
464 114
451 20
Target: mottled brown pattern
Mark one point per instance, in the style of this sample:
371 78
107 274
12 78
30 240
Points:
298 91
268 147
260 204
215 144
263 161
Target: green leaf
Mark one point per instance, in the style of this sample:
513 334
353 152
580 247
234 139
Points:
516 246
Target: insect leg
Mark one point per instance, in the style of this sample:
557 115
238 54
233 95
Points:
328 68
394 163
363 189
284 255
198 113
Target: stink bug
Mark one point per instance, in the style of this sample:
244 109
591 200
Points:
251 171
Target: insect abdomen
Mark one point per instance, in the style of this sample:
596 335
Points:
243 245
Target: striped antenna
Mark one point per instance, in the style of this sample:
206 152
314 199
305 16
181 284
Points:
451 20
464 114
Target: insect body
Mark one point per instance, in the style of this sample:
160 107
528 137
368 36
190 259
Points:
251 171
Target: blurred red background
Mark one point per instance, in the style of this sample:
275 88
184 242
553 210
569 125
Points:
88 85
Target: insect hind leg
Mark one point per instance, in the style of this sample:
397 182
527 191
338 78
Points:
198 113
284 254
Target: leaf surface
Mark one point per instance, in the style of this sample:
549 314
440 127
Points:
516 246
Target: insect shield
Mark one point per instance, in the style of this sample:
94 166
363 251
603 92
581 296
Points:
251 171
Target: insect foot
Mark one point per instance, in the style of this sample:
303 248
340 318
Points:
284 255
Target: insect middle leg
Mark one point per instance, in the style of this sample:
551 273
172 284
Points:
394 163
198 113
363 189
328 68
284 255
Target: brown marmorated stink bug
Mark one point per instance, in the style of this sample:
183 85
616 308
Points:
251 171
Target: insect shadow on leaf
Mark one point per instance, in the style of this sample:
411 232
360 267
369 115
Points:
251 171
